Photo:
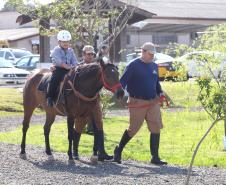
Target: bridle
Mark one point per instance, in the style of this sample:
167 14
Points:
112 88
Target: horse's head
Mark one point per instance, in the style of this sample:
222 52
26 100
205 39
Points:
110 78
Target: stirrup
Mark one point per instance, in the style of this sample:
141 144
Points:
50 102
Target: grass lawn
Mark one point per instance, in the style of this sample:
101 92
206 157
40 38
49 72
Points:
182 132
11 102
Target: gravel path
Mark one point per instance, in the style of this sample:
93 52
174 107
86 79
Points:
38 168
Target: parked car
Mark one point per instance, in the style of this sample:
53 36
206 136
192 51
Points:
166 69
31 62
12 55
11 75
197 63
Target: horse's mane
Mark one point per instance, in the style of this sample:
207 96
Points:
87 70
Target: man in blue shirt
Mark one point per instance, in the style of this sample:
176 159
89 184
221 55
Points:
64 59
140 79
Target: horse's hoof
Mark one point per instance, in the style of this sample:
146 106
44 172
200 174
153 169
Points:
23 155
71 162
94 159
48 152
76 157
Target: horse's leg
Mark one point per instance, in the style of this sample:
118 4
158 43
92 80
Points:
70 127
49 121
28 110
79 126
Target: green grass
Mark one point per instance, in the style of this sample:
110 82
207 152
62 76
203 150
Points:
12 102
183 94
181 134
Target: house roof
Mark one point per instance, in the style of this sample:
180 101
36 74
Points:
209 9
181 15
17 34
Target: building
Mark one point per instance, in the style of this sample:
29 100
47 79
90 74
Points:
174 21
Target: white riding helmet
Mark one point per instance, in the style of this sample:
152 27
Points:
64 35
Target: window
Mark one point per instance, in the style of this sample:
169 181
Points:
8 56
34 61
23 62
164 38
128 39
1 53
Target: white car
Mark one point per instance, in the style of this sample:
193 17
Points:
12 55
198 62
11 75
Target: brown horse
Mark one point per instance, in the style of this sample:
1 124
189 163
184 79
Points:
80 100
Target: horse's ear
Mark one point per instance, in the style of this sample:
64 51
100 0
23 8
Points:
106 60
102 62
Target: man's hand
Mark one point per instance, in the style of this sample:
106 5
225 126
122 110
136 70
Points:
162 99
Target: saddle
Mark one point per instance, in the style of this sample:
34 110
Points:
44 84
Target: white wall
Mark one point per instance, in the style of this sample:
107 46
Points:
183 38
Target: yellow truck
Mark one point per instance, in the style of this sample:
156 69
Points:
4 44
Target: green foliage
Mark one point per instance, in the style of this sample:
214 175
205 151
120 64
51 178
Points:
175 49
106 100
212 98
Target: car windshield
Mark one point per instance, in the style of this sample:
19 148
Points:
19 54
5 64
161 56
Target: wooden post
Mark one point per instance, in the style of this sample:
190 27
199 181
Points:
44 42
224 140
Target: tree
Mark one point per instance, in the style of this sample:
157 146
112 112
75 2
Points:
8 7
86 20
212 93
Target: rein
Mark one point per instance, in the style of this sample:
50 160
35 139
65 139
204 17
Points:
81 96
105 84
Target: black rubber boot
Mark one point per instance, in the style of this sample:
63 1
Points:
118 149
95 141
154 148
102 155
75 145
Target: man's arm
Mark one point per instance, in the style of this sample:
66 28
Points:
126 75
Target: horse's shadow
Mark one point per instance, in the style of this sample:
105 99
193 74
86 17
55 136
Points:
162 170
103 169
83 167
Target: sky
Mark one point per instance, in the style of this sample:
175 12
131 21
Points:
2 2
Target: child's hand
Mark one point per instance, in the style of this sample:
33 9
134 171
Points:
65 66
52 68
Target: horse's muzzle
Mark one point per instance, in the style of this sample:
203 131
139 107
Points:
119 93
